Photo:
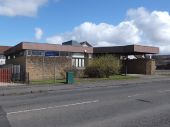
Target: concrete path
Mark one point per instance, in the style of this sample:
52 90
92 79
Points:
2 84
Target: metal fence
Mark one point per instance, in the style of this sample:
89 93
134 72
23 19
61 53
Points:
5 75
13 73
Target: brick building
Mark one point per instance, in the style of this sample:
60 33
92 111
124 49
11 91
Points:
46 61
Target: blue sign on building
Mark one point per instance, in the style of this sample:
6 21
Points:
51 53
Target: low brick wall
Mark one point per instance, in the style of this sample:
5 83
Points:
40 68
141 66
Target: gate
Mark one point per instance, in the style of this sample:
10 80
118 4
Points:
5 75
16 73
13 73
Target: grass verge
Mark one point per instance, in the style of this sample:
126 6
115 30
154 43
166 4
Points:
44 82
114 77
84 80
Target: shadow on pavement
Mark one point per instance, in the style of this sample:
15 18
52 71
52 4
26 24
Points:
3 118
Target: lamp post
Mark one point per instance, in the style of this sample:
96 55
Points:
125 65
85 58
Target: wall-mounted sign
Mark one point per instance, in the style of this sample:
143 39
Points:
51 53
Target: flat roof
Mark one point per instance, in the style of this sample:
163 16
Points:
123 50
48 47
127 50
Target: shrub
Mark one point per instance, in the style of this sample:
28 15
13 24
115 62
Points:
103 66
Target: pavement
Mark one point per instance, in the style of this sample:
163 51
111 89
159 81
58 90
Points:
14 88
140 104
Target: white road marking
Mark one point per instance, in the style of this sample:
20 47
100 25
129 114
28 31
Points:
160 91
163 91
167 90
135 95
53 107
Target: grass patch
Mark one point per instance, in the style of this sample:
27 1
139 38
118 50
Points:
44 82
83 80
114 77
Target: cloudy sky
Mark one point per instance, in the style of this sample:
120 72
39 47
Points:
100 22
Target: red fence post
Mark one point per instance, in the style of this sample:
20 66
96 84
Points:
9 75
5 75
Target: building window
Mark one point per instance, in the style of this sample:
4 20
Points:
29 52
65 53
37 53
2 57
83 63
78 62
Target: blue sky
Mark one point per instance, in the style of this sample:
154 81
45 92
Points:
101 22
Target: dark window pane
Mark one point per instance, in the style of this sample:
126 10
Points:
37 53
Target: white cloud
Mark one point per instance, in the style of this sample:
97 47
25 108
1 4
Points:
20 7
141 27
38 33
155 26
56 39
100 34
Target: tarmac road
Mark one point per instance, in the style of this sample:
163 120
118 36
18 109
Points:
136 105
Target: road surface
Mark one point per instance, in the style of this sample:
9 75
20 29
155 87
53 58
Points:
133 105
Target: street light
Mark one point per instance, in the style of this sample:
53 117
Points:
125 64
